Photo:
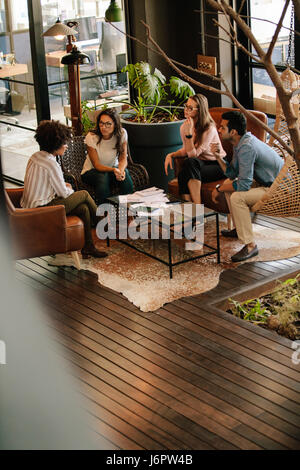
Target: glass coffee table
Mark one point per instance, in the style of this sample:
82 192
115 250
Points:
170 228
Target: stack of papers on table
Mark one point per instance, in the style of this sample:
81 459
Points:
147 196
148 202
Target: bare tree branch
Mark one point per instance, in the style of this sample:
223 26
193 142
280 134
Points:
277 31
238 44
227 92
283 94
241 7
217 38
231 28
240 23
188 67
252 18
295 70
182 74
232 37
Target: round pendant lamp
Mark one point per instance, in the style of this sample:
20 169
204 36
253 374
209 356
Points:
114 13
60 29
75 57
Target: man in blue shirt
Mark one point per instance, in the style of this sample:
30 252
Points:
253 169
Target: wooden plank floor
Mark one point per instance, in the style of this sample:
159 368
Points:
187 376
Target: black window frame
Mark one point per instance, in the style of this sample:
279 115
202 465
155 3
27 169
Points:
243 65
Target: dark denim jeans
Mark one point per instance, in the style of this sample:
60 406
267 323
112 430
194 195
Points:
102 181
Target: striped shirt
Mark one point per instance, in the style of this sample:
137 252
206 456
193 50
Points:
43 181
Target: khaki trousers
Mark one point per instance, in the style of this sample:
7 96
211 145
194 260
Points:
239 204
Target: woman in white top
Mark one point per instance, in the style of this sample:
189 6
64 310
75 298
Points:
199 137
107 156
44 184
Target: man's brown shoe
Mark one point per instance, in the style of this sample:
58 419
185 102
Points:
229 233
244 254
92 251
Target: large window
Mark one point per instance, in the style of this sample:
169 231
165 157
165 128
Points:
66 9
105 47
19 15
17 99
264 93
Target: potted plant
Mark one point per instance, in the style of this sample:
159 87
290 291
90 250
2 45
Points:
87 120
153 118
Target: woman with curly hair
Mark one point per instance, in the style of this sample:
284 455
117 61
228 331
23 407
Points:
107 156
198 133
44 183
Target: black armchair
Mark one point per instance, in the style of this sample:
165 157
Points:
74 158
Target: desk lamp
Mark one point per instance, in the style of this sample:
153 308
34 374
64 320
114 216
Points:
72 59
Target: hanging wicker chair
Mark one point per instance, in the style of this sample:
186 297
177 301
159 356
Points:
283 198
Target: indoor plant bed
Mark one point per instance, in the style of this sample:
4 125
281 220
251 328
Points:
274 306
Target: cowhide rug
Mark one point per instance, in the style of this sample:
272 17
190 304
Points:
145 282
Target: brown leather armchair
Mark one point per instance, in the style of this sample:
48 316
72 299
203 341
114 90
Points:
43 230
207 188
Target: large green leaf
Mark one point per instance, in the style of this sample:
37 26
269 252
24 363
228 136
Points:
160 76
143 68
152 86
151 89
131 70
181 88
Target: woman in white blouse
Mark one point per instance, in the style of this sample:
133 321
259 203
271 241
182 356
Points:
44 184
107 156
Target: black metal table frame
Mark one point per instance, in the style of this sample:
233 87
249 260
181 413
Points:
170 264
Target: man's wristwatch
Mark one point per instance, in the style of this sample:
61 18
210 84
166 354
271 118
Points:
218 188
189 136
